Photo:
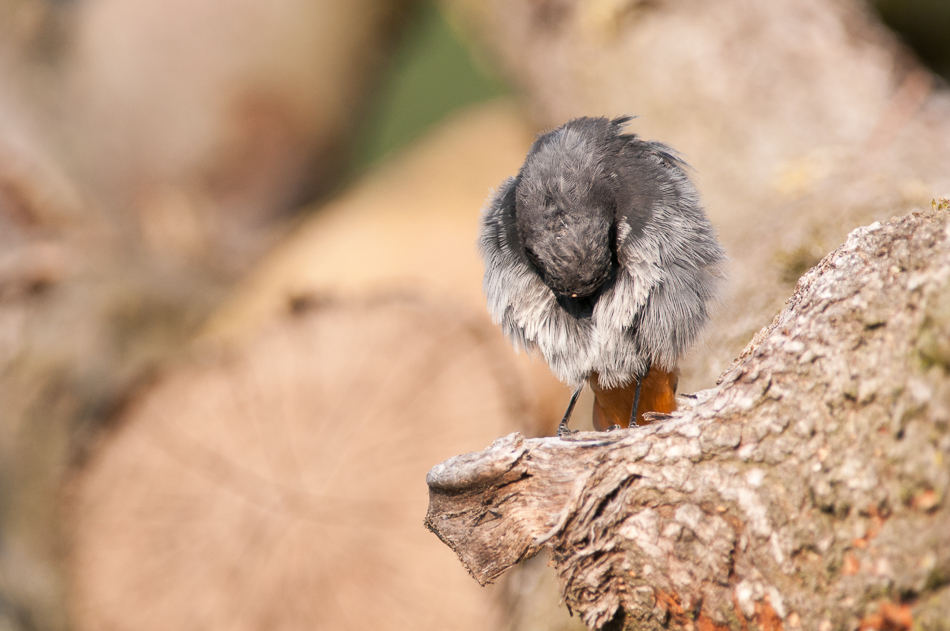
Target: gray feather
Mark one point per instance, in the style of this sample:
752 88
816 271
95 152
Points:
665 266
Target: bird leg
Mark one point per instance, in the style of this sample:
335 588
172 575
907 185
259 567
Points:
636 396
562 429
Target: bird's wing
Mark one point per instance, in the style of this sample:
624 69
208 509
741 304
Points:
510 278
669 255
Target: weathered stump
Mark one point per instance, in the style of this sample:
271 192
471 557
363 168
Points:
808 490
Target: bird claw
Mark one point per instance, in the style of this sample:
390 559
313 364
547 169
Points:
613 427
563 430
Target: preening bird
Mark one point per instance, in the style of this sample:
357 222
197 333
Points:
598 255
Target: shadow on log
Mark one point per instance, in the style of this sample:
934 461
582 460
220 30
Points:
808 490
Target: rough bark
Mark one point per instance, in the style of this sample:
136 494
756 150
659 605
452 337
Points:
807 490
803 120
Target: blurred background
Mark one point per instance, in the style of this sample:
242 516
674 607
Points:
240 300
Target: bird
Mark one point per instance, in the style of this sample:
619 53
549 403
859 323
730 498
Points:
599 256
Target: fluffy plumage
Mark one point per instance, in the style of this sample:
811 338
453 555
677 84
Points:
598 254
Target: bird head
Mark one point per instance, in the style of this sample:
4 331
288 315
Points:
565 210
572 251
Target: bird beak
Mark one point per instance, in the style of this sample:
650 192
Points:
573 295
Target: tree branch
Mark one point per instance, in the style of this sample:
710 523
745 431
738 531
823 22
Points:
808 490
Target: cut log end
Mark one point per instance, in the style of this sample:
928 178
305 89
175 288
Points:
272 488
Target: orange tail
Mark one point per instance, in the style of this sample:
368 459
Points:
612 407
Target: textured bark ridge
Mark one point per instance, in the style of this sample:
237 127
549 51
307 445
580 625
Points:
808 490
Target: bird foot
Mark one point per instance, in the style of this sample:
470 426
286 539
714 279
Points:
563 430
613 427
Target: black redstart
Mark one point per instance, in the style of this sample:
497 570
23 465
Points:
598 254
